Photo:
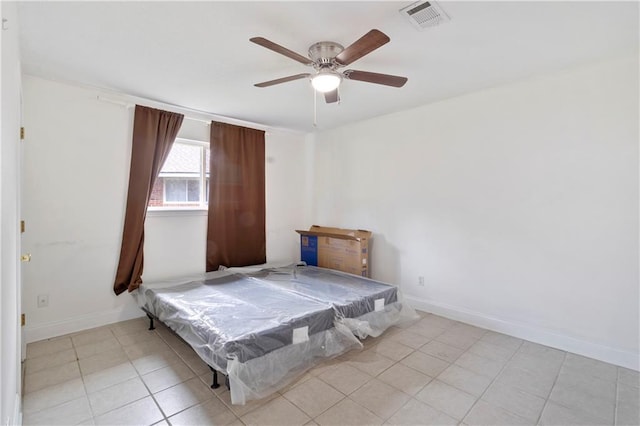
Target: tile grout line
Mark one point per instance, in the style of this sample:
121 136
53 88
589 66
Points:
24 375
433 378
479 397
138 375
434 339
579 409
196 376
555 380
328 384
312 418
84 386
413 397
492 381
77 361
164 416
93 417
345 396
376 377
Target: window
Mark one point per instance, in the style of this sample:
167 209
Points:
183 181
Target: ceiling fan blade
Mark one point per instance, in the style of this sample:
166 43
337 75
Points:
364 45
281 80
281 50
374 77
332 96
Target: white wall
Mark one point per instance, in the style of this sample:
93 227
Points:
518 205
289 162
75 179
10 335
76 171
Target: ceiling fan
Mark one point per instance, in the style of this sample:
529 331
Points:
326 57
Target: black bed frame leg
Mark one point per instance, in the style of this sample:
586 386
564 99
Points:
151 326
215 384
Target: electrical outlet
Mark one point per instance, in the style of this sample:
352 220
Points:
43 300
421 281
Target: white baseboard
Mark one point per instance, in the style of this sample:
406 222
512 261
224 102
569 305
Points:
530 332
33 333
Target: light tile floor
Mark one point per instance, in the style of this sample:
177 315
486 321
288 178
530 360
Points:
434 371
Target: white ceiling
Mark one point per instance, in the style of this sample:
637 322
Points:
198 54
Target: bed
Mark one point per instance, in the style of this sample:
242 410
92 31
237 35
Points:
263 327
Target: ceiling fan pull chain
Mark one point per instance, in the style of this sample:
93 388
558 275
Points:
315 108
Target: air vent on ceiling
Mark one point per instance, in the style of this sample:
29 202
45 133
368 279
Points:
425 14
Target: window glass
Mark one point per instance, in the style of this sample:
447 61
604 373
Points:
174 190
183 179
193 190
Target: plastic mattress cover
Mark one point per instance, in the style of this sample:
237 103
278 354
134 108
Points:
261 335
366 306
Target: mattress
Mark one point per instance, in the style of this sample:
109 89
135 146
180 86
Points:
236 317
366 306
351 295
259 334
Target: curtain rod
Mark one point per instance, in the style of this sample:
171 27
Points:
180 109
131 100
132 104
126 100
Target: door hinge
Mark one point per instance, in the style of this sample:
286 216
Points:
23 319
22 227
21 133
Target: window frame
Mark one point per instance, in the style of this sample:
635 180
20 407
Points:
201 206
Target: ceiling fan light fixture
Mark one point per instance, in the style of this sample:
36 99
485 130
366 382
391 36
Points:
326 81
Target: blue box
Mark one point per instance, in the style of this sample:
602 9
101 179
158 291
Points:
309 249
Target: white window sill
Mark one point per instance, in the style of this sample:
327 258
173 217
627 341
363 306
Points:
163 212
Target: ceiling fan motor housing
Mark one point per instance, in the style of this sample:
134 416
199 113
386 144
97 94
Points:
324 52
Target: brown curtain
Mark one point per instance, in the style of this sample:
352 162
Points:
153 134
236 224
